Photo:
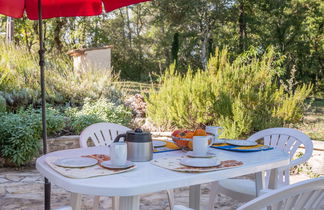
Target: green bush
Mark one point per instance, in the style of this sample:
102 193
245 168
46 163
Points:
55 121
98 111
242 96
21 133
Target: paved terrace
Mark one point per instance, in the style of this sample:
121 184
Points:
23 189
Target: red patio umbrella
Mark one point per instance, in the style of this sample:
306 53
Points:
44 9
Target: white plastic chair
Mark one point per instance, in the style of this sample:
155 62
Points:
305 195
285 139
100 134
103 134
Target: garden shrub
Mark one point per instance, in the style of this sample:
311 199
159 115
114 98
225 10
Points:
242 96
19 80
24 97
21 134
73 87
98 111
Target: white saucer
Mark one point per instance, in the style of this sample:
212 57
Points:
242 143
200 162
194 155
76 162
109 165
157 143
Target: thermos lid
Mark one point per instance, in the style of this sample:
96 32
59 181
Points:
138 136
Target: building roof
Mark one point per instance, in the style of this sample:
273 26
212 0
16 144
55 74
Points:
79 52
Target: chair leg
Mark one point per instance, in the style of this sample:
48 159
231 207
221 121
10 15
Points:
212 195
76 201
171 198
115 203
194 197
96 202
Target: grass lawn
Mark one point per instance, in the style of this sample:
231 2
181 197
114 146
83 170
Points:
313 122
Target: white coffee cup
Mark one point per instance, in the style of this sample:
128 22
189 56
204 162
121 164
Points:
118 153
201 144
216 131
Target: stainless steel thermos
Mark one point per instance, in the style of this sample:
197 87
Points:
139 145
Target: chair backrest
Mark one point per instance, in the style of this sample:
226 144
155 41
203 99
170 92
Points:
305 195
287 140
101 134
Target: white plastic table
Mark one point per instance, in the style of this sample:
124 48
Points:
148 178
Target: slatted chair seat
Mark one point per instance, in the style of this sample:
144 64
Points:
101 134
306 195
285 139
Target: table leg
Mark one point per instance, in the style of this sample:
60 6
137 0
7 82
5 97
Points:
273 179
76 201
96 202
259 182
194 197
171 198
129 202
115 203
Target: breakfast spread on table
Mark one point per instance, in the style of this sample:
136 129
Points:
197 144
185 138
201 158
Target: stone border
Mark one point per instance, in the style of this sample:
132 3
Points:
62 143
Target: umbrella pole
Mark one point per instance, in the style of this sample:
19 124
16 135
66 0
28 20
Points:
47 184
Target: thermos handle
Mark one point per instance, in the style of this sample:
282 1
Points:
120 136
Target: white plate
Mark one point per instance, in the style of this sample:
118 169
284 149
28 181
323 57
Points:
219 141
200 162
194 155
108 164
159 143
76 162
242 143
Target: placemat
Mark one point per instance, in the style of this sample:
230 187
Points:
173 163
259 147
170 146
82 173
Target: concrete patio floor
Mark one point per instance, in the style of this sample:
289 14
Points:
23 190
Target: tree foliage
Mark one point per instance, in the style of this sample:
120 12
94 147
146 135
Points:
149 36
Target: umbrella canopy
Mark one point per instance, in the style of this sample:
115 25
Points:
61 8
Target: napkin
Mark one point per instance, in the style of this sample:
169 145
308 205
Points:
170 146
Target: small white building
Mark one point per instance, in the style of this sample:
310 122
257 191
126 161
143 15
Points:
91 58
